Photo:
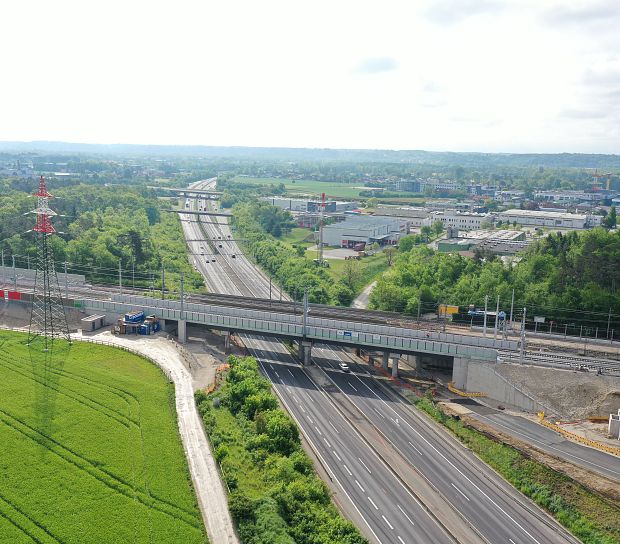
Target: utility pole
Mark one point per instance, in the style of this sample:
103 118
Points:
419 308
512 304
182 295
522 352
270 289
163 279
3 270
484 326
133 273
120 278
66 283
608 323
305 322
14 275
496 319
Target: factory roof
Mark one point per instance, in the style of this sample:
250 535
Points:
550 215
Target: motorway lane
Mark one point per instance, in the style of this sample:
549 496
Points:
391 512
487 510
495 508
549 441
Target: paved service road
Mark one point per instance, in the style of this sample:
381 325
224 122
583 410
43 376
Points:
496 509
549 441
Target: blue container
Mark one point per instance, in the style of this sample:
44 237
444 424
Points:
144 329
134 317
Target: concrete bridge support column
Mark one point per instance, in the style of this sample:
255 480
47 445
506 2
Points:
386 360
395 366
226 335
182 331
305 352
459 373
162 324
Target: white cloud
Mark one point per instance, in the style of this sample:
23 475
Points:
461 75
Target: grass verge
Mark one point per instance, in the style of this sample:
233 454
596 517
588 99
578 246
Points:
590 518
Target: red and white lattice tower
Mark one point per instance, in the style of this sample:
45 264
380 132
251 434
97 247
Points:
48 320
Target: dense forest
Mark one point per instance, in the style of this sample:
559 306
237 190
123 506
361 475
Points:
100 227
570 278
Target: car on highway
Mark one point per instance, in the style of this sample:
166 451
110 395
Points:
344 367
233 256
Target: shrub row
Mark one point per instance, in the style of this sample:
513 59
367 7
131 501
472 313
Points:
254 440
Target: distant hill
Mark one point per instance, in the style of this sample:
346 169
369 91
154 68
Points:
440 158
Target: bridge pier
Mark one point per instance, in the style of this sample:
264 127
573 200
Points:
386 360
305 352
226 335
395 366
182 331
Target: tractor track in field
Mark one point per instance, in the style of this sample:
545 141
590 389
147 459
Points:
103 476
44 536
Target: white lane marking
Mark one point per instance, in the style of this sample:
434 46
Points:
542 444
360 486
354 388
378 412
328 468
347 469
333 426
278 375
327 442
318 430
301 406
289 371
309 419
405 514
364 464
386 521
486 496
337 456
466 497
511 540
373 503
416 449
401 540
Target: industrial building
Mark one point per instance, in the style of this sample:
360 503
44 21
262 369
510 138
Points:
558 220
460 220
367 229
307 205
500 242
415 216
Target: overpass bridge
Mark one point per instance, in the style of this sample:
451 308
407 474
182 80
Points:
457 350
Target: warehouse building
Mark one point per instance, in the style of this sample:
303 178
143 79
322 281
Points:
307 205
415 216
367 229
500 242
558 220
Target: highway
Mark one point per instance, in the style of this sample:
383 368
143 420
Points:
387 509
497 511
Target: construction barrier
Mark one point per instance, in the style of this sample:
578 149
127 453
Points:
464 393
577 438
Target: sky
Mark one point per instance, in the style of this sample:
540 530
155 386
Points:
445 75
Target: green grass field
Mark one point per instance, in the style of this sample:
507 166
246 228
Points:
311 187
89 449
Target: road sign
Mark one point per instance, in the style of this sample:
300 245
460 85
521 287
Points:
539 319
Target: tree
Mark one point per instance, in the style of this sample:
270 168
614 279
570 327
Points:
389 253
437 227
611 220
351 273
426 232
372 202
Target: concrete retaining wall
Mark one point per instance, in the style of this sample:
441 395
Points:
482 377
